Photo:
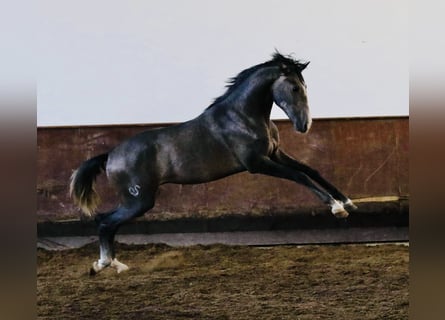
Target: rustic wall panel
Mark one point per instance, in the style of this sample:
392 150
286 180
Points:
364 157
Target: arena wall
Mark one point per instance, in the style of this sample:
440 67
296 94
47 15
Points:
367 158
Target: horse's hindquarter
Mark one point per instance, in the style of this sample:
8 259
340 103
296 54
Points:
129 162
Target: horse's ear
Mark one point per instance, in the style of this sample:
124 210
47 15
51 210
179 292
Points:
304 65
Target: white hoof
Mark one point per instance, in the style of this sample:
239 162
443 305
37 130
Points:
338 210
119 266
97 267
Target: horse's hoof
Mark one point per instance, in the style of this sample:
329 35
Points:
337 210
350 205
341 214
121 269
92 272
97 267
119 266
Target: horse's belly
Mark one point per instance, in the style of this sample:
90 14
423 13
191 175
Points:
198 167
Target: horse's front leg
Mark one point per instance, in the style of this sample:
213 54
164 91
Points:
265 165
281 157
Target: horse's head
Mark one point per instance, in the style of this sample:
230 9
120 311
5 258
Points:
289 93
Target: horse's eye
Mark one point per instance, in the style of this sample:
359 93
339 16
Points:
295 89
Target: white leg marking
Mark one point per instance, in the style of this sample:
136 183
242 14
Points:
350 205
338 210
336 206
103 262
119 266
99 266
104 259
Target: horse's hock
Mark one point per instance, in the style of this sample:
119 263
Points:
367 158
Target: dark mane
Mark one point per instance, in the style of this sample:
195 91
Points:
286 63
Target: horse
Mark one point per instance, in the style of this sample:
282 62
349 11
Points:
232 135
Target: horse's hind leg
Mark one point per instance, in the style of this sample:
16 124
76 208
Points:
108 224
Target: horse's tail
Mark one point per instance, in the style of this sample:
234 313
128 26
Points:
82 184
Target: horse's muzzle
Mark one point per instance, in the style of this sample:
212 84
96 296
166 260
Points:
303 122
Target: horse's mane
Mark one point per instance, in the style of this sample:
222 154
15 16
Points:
284 62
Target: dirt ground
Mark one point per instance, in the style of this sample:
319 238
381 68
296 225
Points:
227 282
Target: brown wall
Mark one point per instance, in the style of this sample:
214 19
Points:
363 157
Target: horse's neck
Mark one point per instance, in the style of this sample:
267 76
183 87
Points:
254 96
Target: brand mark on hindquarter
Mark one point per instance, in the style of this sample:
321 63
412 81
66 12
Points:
134 190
